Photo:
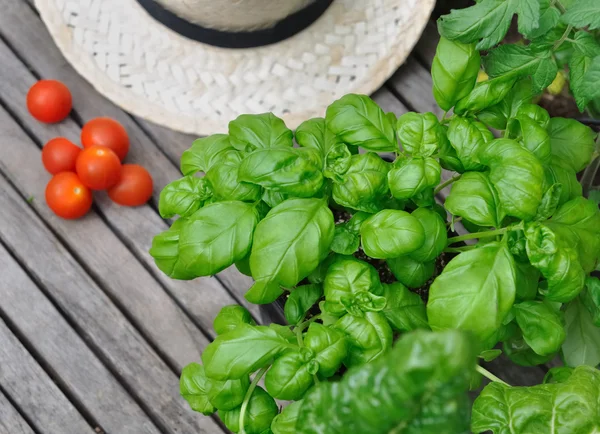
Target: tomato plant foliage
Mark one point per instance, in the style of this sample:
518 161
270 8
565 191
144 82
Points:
319 225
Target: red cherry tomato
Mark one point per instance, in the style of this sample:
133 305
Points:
60 155
106 132
67 196
134 188
98 167
49 101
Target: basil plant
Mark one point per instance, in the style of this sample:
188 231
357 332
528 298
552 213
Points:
345 228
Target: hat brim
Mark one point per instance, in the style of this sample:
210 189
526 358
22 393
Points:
157 74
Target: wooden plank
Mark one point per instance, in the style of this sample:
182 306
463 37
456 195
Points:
111 262
202 298
81 373
11 421
95 317
413 83
27 34
24 380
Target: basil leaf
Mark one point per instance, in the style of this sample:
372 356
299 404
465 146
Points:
419 387
193 386
229 394
358 120
391 233
243 266
286 170
285 422
582 345
260 412
364 185
527 281
404 310
289 243
558 263
183 196
345 241
558 172
291 375
204 153
535 113
570 406
468 137
314 133
330 347
250 132
572 142
411 176
436 239
519 352
448 157
223 178
550 200
369 337
409 272
579 220
590 297
559 374
516 175
498 115
242 351
583 13
166 254
459 297
474 198
543 327
230 317
517 61
419 133
485 94
337 162
534 138
490 355
347 276
216 236
300 301
454 72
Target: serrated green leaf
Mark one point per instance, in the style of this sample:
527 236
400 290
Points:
549 17
583 13
518 61
485 23
529 16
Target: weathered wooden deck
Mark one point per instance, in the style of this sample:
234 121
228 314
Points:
92 335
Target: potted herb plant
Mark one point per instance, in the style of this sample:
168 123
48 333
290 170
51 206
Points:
361 253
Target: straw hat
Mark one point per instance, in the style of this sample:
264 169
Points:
194 65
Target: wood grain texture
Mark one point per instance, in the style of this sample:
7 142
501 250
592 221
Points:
95 317
23 379
109 260
11 421
79 370
145 297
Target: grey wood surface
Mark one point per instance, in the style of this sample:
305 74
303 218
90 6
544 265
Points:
72 362
23 30
85 316
11 421
24 380
101 324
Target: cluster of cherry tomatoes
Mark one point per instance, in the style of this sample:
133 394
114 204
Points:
97 166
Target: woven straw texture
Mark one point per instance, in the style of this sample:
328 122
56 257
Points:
161 76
